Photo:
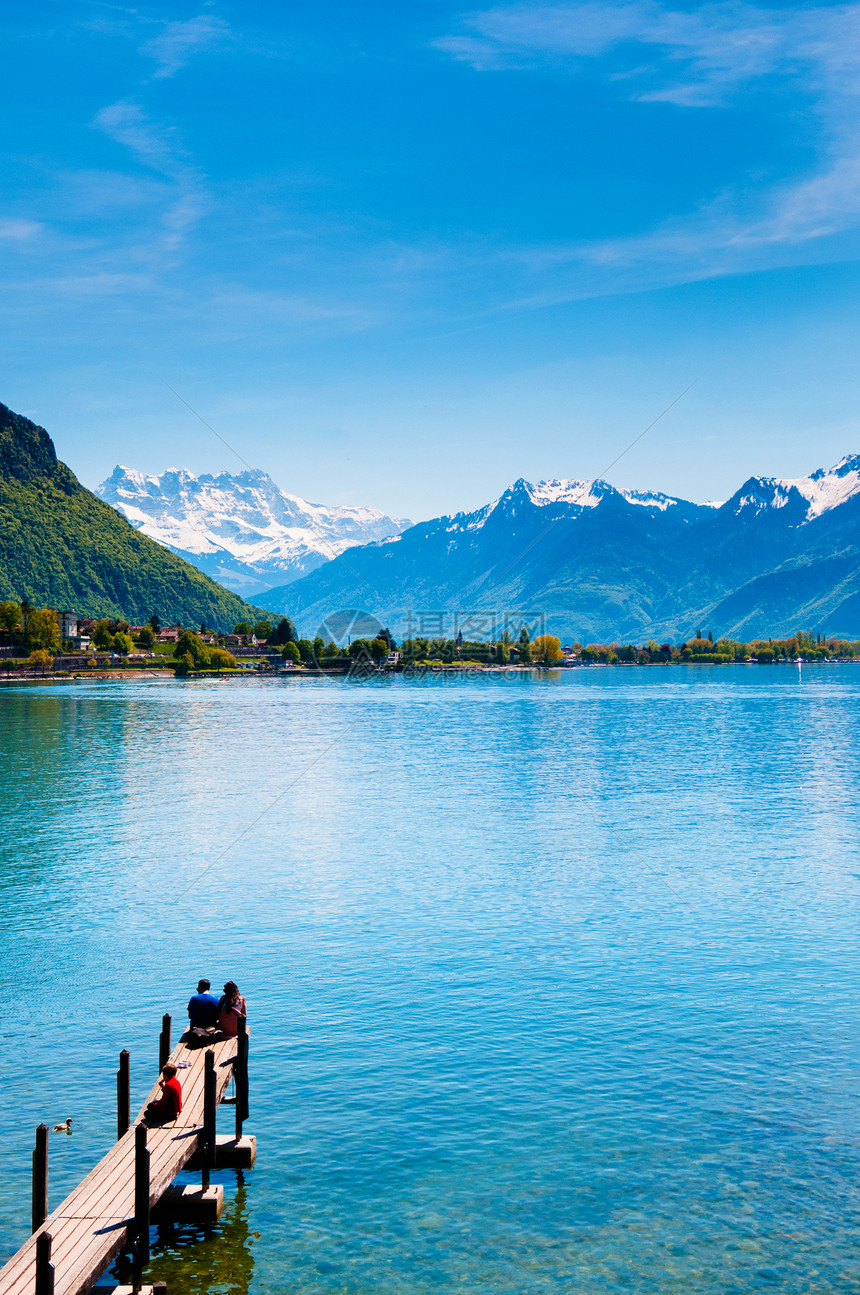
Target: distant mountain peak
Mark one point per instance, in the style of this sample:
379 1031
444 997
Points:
811 497
848 463
583 494
241 527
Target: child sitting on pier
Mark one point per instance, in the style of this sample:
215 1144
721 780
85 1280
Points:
169 1104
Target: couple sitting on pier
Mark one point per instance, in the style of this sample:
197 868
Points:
213 1017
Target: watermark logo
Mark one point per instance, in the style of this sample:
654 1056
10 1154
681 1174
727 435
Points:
473 626
341 627
460 640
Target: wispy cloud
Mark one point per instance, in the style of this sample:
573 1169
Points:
158 148
176 44
20 231
128 124
696 59
240 303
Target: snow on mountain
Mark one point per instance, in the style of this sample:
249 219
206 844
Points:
826 489
577 496
588 494
822 490
650 499
583 494
241 529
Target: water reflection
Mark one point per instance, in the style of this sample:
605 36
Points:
492 1050
196 1260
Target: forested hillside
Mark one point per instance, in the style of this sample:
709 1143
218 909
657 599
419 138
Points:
61 546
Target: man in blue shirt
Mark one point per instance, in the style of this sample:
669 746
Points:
203 1008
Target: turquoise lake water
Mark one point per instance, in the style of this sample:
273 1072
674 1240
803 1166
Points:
553 980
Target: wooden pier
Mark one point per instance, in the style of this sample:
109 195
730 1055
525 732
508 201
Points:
109 1212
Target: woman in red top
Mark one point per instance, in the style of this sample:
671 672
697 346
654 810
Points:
169 1103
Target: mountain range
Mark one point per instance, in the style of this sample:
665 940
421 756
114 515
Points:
577 558
587 561
62 547
241 529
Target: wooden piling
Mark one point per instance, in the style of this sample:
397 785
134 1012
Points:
210 1109
44 1267
164 1042
123 1094
141 1196
230 1153
40 1178
190 1204
240 1075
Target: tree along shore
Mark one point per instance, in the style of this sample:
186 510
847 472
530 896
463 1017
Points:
33 641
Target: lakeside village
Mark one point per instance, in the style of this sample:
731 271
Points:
42 641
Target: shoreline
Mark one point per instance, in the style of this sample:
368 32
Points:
408 672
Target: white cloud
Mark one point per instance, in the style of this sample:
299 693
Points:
243 303
127 124
19 231
179 41
698 56
694 59
157 148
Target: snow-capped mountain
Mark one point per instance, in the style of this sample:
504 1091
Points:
808 496
241 529
586 494
563 497
592 562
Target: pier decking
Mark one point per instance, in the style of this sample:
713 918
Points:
98 1219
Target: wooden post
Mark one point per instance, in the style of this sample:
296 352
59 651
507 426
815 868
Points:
44 1267
240 1075
164 1042
210 1107
141 1196
245 1108
40 1178
123 1095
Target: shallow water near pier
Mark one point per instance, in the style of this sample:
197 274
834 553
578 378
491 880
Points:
552 980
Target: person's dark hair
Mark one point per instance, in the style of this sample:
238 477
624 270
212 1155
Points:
232 995
168 1070
202 986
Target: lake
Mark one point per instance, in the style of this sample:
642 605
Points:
552 979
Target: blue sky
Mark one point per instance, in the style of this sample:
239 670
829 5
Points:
403 254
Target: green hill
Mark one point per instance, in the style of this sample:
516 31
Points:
62 547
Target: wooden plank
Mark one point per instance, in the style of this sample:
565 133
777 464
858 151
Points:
91 1226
